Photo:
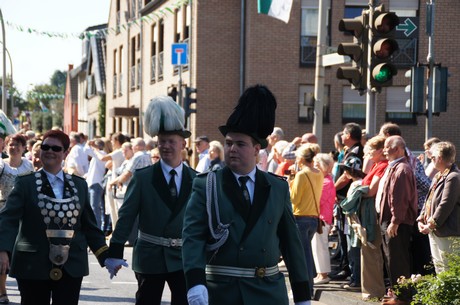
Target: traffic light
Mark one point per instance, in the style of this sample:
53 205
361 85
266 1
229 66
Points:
440 75
416 89
357 50
383 45
189 100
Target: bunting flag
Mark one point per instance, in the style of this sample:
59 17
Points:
46 96
279 9
103 32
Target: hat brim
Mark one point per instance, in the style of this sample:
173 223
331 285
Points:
224 129
355 171
183 133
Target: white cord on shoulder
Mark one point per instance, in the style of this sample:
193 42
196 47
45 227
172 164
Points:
220 233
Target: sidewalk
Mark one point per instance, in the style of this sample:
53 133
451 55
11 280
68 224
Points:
330 294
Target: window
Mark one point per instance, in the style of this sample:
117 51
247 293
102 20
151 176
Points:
115 60
120 71
354 11
307 104
398 108
153 62
161 49
309 32
186 25
353 106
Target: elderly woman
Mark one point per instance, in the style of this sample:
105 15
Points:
306 191
216 155
320 242
440 216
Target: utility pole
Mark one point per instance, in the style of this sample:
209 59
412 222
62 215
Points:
371 114
4 102
319 73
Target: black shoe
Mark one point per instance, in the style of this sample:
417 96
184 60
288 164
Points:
342 275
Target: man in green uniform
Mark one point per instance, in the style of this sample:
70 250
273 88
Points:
46 228
239 220
158 195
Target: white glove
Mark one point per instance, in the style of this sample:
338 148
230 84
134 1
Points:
197 295
114 264
303 303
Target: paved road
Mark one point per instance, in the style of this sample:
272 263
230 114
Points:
97 288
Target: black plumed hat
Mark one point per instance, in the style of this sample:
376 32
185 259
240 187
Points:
254 115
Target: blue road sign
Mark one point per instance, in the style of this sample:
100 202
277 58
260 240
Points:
179 54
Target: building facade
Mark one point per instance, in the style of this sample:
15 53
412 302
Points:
232 47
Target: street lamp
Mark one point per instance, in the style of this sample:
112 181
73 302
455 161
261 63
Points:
4 64
11 76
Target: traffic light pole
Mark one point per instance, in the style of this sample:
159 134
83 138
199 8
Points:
430 58
371 113
319 73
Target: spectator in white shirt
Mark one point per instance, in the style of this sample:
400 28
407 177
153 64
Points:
202 147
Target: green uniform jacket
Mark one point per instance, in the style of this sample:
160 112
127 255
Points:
23 231
148 197
257 239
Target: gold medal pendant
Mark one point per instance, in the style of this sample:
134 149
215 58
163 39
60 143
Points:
56 274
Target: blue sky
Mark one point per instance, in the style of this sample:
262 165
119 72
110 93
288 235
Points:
36 57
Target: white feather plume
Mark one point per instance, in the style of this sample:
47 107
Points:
163 114
6 127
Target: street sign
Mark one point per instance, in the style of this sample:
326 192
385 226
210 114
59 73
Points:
335 59
408 27
179 54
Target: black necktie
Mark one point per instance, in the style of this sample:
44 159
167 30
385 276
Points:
244 189
172 185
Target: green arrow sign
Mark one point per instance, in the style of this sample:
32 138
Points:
408 27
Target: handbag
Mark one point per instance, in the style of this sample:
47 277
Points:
319 226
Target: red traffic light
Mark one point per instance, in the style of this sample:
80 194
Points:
384 23
384 48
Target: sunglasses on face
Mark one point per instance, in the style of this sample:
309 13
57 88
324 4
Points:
55 148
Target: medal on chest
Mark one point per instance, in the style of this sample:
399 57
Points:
59 216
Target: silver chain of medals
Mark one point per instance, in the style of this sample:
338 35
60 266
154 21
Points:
61 212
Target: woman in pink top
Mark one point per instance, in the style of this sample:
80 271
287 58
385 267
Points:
320 243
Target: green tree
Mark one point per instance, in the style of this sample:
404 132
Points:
58 80
47 99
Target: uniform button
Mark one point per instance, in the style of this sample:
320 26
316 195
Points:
264 250
270 221
241 249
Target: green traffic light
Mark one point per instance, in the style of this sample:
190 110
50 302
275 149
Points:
384 74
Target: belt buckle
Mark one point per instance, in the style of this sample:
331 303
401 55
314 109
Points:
173 242
260 272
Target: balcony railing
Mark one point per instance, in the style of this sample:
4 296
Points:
118 22
115 83
132 81
133 9
153 65
120 84
160 66
139 75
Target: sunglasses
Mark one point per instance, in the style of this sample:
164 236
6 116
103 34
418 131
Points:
55 148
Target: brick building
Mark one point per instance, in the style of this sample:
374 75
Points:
232 47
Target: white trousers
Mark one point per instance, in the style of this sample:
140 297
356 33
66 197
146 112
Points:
439 247
320 249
